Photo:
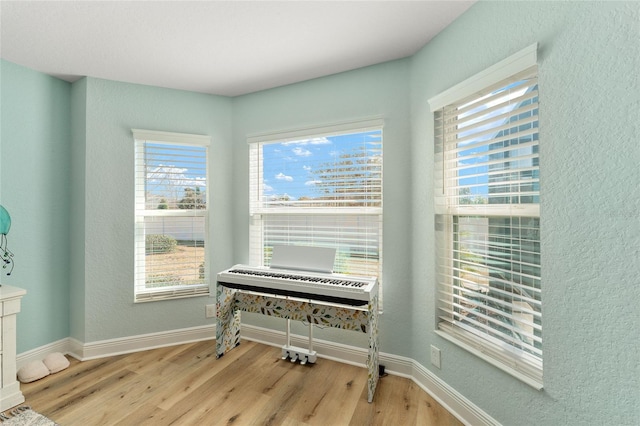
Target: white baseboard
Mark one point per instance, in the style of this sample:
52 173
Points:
38 354
143 342
124 345
454 402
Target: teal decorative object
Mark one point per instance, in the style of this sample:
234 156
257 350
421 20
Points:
5 253
5 221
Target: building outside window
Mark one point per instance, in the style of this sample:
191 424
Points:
171 215
488 218
320 187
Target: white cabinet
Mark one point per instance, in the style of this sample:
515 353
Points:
10 394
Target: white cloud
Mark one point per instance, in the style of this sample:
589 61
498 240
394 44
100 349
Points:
282 197
301 152
312 141
319 141
282 176
173 176
306 168
312 182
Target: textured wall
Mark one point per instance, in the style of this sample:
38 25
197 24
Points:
112 110
589 60
379 91
35 190
77 292
589 57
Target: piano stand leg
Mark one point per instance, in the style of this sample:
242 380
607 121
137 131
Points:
299 354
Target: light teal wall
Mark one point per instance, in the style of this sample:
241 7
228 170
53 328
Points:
68 148
589 57
67 171
77 214
112 109
35 135
380 91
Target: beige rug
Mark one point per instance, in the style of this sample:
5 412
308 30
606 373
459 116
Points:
24 416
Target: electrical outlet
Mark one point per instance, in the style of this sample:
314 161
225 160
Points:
435 356
210 311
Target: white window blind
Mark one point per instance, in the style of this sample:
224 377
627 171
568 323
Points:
323 189
488 224
171 215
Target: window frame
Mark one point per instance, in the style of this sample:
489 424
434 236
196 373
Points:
257 210
141 212
521 366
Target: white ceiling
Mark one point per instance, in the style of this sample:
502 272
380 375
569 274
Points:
219 47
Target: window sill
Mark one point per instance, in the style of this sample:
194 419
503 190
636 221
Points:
506 362
171 293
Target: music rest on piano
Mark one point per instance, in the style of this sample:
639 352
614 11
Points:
327 287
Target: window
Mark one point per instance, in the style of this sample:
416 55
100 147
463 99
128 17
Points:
488 218
320 188
171 215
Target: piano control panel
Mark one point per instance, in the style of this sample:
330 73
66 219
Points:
328 287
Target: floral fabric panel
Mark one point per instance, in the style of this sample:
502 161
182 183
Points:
314 313
227 320
372 357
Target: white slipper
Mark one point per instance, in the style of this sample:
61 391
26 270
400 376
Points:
55 362
32 371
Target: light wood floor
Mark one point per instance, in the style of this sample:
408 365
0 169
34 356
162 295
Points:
187 385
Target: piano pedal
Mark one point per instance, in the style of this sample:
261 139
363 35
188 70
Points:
299 354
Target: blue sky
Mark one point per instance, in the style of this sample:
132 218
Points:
472 158
289 166
171 168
